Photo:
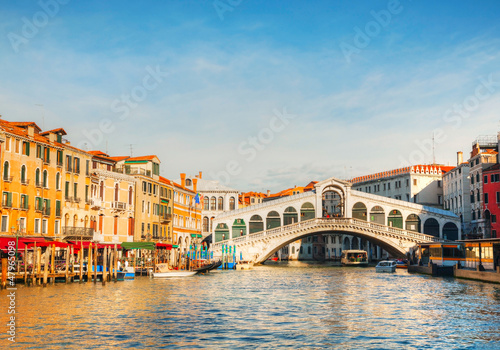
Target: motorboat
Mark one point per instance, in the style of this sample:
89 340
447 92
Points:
386 266
401 264
127 273
174 273
244 265
208 267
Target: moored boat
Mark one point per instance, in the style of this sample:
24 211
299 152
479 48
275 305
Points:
174 273
244 265
386 266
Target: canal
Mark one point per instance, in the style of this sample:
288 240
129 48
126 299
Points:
294 305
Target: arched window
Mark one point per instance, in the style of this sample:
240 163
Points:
130 195
213 203
45 179
221 203
6 171
23 174
206 224
206 203
58 181
231 203
37 177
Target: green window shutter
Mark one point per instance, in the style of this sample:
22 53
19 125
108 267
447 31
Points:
9 199
75 189
27 148
26 201
66 189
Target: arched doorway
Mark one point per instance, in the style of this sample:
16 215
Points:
431 227
413 223
307 212
355 243
359 211
273 220
256 224
450 231
332 202
377 215
347 244
239 228
395 219
290 216
221 232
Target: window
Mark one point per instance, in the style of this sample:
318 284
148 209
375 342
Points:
37 225
130 196
440 184
213 203
24 201
221 203
87 167
39 151
58 208
44 226
59 157
5 223
156 169
6 171
144 187
231 203
75 190
66 190
45 179
477 177
26 148
7 143
58 181
150 187
485 179
68 163
86 193
206 203
493 218
23 175
486 198
498 197
76 165
414 182
46 155
56 227
7 199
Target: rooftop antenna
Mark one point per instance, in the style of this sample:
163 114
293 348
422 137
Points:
131 149
43 116
107 147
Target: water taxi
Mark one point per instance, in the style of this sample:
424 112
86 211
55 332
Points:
354 258
386 266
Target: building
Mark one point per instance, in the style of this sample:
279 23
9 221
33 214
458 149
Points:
491 201
251 198
456 190
187 214
215 198
420 184
483 155
166 211
112 199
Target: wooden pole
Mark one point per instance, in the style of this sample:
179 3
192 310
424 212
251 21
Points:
53 263
67 264
72 255
4 272
95 262
104 263
89 263
25 258
115 264
46 266
39 264
80 262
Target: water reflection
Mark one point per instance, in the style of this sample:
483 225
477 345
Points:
297 306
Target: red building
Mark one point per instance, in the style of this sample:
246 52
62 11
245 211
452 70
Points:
491 193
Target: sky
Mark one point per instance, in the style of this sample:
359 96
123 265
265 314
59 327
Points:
260 95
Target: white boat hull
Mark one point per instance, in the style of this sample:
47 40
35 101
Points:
172 274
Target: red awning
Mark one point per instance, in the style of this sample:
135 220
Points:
47 244
21 243
86 244
164 246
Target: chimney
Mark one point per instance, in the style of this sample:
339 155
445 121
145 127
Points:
52 137
199 175
195 185
31 130
268 193
460 158
183 180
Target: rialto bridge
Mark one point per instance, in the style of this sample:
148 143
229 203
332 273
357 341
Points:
258 231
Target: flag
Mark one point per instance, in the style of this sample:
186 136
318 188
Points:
197 198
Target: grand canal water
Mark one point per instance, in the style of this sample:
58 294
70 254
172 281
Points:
292 305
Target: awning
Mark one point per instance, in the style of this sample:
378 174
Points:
48 244
21 243
196 235
163 246
139 245
175 246
86 245
164 201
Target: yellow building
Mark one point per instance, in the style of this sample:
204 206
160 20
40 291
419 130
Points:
31 181
187 214
112 198
166 211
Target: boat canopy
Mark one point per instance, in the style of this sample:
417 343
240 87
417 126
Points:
139 245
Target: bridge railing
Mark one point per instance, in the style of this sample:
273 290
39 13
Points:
325 221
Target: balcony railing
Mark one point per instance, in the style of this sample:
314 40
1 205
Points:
46 211
165 217
26 207
96 203
78 231
120 205
133 171
58 212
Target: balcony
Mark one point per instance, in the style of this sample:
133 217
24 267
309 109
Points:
59 164
119 205
6 204
96 203
164 218
133 171
78 231
46 212
8 178
26 207
75 200
58 212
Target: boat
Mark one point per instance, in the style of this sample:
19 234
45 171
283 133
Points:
386 266
354 258
208 267
244 265
128 273
174 273
164 271
401 264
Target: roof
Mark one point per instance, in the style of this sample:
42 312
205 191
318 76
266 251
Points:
119 158
54 131
204 185
432 169
26 124
150 157
165 180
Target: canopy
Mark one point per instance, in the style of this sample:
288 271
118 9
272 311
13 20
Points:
48 244
21 243
86 245
164 246
139 245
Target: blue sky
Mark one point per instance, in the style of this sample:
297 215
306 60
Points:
361 86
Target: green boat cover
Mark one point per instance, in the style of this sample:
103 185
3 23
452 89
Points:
138 245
